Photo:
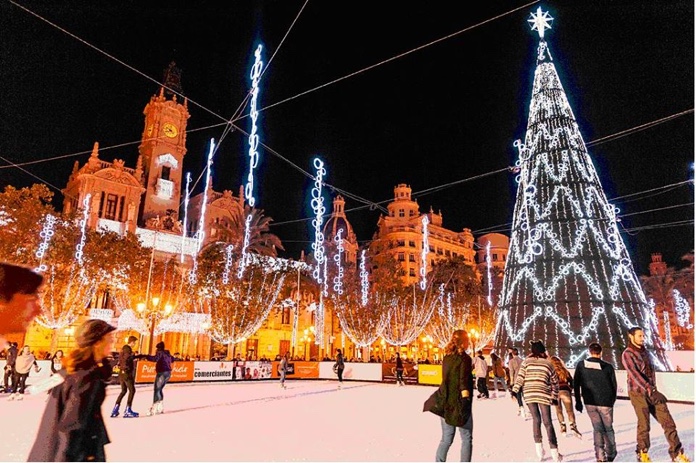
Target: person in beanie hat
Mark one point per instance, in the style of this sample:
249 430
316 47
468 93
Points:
126 376
72 426
19 301
163 367
538 378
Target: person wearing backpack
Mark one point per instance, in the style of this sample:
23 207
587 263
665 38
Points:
498 373
126 377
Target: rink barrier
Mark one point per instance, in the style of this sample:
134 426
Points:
676 386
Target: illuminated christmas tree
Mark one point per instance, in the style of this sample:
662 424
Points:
568 279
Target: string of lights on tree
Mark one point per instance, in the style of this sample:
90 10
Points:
320 270
568 277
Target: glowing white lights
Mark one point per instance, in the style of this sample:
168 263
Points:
79 251
255 75
200 233
319 210
568 277
681 306
424 253
338 259
186 203
540 21
45 235
228 264
488 272
364 286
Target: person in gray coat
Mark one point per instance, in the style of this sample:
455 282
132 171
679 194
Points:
514 365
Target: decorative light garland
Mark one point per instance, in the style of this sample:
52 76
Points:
200 233
488 270
683 310
79 251
186 204
364 284
253 154
424 253
46 234
228 264
317 203
669 345
338 258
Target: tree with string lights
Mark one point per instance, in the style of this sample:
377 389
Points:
568 278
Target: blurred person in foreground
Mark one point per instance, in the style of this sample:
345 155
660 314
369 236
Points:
72 427
19 299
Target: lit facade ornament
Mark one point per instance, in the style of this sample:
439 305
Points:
540 21
338 259
364 283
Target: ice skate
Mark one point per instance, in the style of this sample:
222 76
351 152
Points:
681 457
574 431
540 452
115 411
493 396
563 428
159 407
151 411
555 455
129 413
643 456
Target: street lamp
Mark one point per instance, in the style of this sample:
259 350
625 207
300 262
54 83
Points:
474 335
69 331
306 339
153 313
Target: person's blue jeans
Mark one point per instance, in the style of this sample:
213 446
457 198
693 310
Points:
161 379
542 413
501 380
602 419
282 376
466 432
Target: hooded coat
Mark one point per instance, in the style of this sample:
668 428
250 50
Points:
72 427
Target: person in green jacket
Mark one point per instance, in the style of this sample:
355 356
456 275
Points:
457 387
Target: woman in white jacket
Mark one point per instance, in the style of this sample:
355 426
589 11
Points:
23 365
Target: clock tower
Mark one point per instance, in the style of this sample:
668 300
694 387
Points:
162 149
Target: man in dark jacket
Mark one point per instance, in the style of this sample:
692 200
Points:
646 399
126 377
10 375
594 384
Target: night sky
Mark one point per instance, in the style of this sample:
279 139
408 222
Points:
442 118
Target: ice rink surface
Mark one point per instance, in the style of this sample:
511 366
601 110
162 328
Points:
314 421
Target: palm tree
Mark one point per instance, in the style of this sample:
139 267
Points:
261 241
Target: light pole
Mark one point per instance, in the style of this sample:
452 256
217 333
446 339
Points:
150 309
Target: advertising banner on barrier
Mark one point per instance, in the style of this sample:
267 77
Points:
213 371
181 372
251 369
430 374
299 370
410 372
353 371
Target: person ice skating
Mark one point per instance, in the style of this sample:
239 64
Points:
594 383
399 370
25 360
19 300
481 372
646 399
283 369
57 362
565 398
498 374
514 365
10 377
339 366
163 368
126 376
458 388
72 426
540 382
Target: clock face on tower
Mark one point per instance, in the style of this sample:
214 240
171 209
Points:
170 130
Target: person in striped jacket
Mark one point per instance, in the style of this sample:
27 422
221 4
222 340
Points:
538 378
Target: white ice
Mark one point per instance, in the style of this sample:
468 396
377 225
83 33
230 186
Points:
313 421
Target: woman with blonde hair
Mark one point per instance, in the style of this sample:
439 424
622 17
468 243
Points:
565 397
455 395
72 427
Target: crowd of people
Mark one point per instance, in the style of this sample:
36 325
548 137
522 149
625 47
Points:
72 427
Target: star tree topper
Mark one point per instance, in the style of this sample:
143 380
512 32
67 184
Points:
540 21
